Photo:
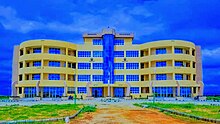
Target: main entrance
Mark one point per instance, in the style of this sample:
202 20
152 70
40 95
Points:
118 92
97 92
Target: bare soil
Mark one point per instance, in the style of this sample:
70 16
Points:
118 114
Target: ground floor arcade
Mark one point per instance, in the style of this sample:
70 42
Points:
83 92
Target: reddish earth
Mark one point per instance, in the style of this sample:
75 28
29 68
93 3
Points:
127 115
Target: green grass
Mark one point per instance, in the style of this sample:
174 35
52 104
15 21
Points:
213 98
37 111
89 109
4 97
206 111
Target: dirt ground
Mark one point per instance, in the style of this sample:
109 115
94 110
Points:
116 114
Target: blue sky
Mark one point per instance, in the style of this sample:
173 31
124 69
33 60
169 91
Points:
197 21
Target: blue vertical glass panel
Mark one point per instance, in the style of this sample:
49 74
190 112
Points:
108 58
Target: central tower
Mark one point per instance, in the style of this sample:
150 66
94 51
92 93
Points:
108 36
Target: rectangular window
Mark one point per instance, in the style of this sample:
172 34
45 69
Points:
179 76
20 64
36 50
97 65
35 76
161 77
119 77
119 42
97 41
71 90
132 65
81 89
134 90
54 76
83 78
84 53
119 53
97 78
161 64
178 50
161 51
20 77
84 65
132 54
132 77
36 63
54 63
119 65
54 50
179 63
97 53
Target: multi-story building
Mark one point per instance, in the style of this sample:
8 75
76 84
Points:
107 64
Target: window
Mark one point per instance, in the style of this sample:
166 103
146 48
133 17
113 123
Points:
178 63
21 52
97 65
54 76
132 65
81 89
161 64
71 65
71 90
83 77
97 41
53 92
97 53
97 78
185 91
161 77
20 90
179 76
178 50
54 50
119 53
163 91
132 77
84 65
35 63
134 90
30 92
36 50
194 89
20 64
119 42
20 77
84 53
35 76
54 63
119 65
119 77
161 51
132 54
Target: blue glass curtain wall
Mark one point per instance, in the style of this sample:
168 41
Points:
108 58
118 92
53 92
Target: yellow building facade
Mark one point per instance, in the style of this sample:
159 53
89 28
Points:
108 64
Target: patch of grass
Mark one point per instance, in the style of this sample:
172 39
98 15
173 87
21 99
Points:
213 98
37 111
206 111
4 97
89 109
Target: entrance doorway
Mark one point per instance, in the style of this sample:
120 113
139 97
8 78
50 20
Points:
97 92
118 92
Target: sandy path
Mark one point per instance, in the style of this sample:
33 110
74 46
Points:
118 114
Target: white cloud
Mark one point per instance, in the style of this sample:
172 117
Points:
121 17
211 85
211 52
